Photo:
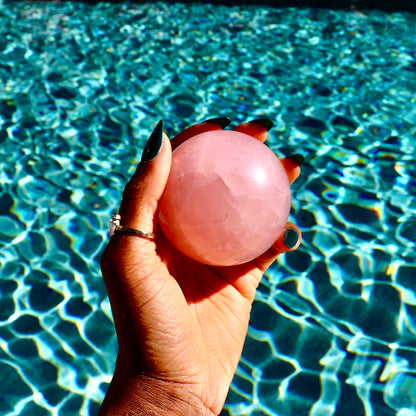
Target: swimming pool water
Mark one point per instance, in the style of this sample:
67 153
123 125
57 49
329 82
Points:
333 327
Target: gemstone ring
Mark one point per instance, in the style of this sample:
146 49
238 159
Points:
115 227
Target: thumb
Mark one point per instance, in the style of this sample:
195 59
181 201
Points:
127 258
141 195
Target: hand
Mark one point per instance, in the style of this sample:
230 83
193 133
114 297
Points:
180 324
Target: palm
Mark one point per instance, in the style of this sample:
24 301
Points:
192 324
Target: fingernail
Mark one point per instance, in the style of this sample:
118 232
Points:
265 121
222 121
290 238
298 157
154 143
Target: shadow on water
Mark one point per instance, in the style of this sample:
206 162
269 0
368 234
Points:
359 5
386 5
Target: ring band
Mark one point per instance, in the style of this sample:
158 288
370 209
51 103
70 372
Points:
115 227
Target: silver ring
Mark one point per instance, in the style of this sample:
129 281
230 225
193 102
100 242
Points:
115 227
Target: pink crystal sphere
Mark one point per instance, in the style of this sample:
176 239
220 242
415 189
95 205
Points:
227 198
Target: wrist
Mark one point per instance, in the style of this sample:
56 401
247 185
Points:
146 396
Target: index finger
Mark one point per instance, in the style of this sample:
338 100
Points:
257 128
208 125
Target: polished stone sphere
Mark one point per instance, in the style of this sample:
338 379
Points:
227 198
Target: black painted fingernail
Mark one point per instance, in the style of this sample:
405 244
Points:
265 121
222 121
154 143
290 238
298 157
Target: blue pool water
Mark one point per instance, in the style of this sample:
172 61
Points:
333 327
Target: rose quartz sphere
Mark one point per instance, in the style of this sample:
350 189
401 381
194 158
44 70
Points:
227 198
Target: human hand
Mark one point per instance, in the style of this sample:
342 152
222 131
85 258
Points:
180 324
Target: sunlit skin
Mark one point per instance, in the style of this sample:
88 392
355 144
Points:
180 324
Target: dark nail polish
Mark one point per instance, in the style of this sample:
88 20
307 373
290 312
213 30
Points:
222 121
154 143
298 157
265 121
290 238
